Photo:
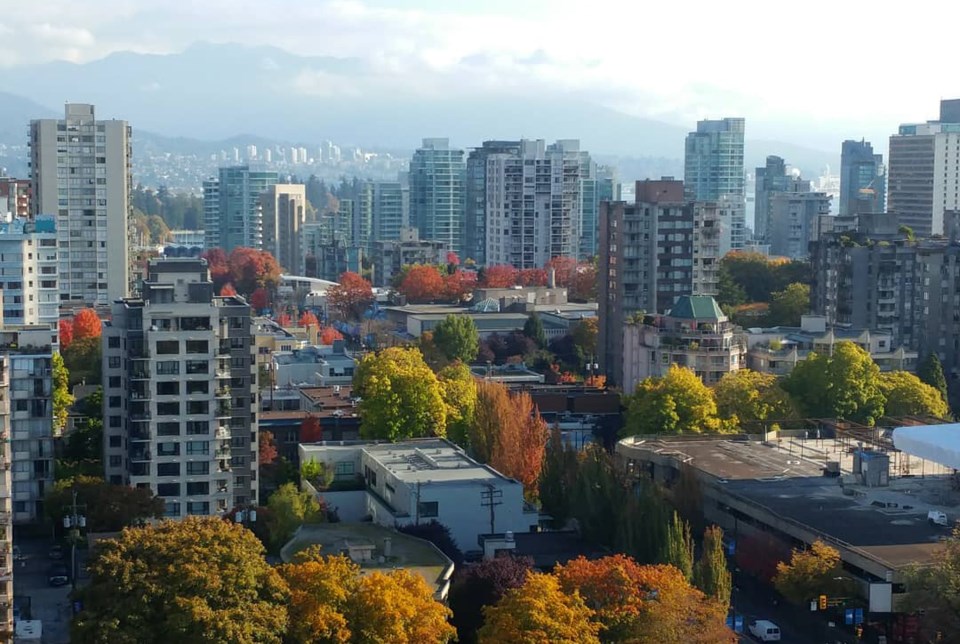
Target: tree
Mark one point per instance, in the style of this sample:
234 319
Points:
532 277
228 290
310 429
456 337
308 319
109 507
557 478
84 444
584 287
62 399
400 396
483 584
539 611
930 371
644 604
267 448
678 548
66 333
509 434
843 385
422 284
787 306
907 395
458 388
397 607
351 297
291 508
217 263
565 270
86 325
159 232
458 285
533 329
810 573
251 269
711 574
260 299
585 334
437 534
320 588
82 360
200 579
452 258
329 335
499 276
677 403
934 589
748 396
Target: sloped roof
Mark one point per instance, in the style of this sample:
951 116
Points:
697 307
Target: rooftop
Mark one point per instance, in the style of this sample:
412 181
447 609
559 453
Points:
415 555
429 460
697 307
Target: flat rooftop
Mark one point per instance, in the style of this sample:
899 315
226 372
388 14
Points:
429 460
416 555
786 478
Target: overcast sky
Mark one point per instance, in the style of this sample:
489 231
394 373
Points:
839 68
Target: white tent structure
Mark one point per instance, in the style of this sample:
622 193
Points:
935 443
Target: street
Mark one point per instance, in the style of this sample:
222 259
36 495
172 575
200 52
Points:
30 588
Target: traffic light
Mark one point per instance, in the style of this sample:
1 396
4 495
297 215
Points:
823 602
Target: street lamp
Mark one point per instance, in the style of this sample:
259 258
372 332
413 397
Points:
591 368
74 522
246 517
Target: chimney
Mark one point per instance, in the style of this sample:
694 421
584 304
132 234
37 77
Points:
552 277
387 547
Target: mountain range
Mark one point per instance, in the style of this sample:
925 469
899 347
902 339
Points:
195 100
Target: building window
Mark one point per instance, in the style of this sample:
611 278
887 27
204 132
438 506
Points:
168 368
113 342
197 407
168 409
195 469
116 461
114 402
168 489
168 388
345 469
198 427
115 441
168 469
116 421
428 509
168 449
198 447
197 488
171 509
168 429
113 362
113 381
168 347
198 507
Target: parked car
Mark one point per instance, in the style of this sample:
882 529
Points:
57 575
56 552
765 630
936 517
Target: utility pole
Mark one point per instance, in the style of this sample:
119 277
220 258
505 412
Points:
491 498
74 522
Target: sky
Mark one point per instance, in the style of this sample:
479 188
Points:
831 69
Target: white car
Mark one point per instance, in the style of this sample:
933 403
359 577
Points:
765 630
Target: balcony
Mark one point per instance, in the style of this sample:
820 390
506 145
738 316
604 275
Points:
223 392
140 374
224 373
140 456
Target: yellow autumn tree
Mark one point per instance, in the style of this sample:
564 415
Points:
319 589
539 611
811 572
399 608
676 403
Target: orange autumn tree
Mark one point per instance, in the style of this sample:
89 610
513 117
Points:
539 611
86 324
422 284
227 290
308 319
509 434
351 296
499 276
644 604
310 429
459 285
565 269
66 333
267 448
328 335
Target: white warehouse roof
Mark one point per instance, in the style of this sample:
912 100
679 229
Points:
936 443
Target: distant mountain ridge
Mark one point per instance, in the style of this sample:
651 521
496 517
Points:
171 101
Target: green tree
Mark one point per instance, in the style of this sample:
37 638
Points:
676 403
533 329
729 292
85 441
201 580
558 479
811 572
748 396
83 360
907 395
843 385
788 305
678 548
933 587
585 335
457 339
459 391
109 507
400 396
62 399
290 508
711 574
931 372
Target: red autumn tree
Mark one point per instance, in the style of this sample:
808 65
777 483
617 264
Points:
584 287
458 285
308 319
565 269
268 449
66 333
509 434
532 277
284 320
217 262
351 297
499 276
423 284
86 324
251 269
452 258
310 430
227 290
328 335
260 299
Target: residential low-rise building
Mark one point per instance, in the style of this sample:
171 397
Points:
429 479
315 365
777 350
694 334
390 256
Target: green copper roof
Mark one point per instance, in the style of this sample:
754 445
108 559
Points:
696 307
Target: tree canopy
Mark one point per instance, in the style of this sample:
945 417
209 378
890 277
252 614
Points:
351 296
789 305
843 385
62 398
483 584
746 396
290 508
200 579
676 403
457 339
934 589
109 507
930 371
422 283
907 395
811 572
533 329
711 574
400 396
458 388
